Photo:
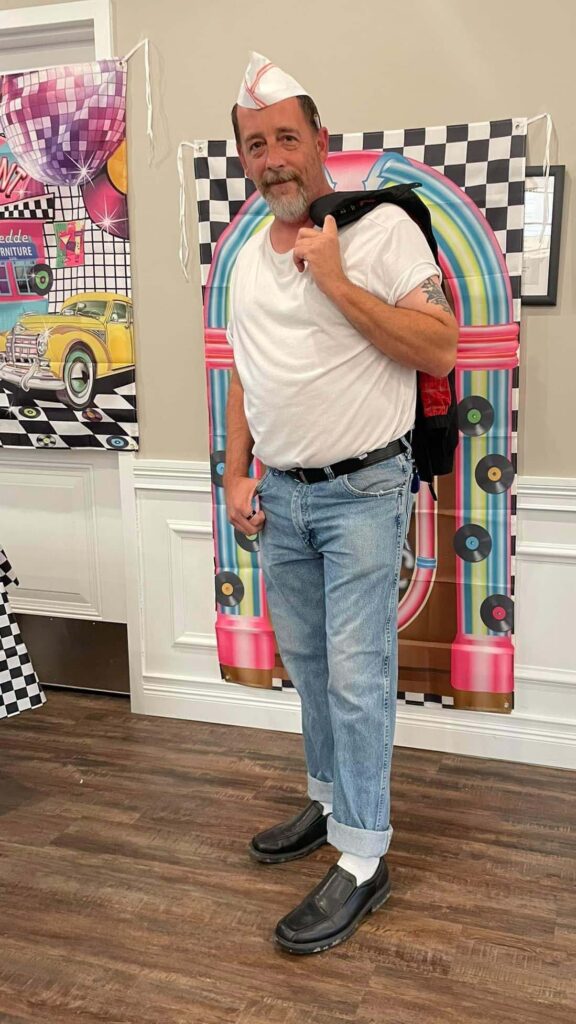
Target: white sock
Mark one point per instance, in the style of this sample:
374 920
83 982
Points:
361 867
327 808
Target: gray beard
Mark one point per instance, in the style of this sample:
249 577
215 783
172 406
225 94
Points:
288 208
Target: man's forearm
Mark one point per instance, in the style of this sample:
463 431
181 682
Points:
239 441
409 337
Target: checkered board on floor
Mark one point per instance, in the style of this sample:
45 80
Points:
35 420
485 159
19 686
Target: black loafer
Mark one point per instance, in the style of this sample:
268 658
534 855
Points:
292 839
332 911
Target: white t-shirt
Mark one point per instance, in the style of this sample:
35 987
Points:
315 390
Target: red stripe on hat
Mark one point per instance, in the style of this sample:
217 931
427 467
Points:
258 102
250 88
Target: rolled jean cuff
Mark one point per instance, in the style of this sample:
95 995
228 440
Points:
318 790
360 841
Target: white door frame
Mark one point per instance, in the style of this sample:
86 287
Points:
97 11
83 483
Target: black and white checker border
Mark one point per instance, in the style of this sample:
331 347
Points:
421 700
20 689
7 574
487 160
37 208
424 700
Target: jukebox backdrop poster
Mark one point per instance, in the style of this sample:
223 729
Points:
456 612
67 376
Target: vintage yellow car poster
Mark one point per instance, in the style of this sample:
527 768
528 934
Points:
67 377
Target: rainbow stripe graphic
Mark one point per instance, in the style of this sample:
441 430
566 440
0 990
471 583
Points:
470 256
231 555
253 217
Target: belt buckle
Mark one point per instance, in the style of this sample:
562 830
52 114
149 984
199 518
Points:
302 476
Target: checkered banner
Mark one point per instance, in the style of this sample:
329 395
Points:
67 375
456 609
29 209
19 686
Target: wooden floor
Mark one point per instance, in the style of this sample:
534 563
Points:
127 895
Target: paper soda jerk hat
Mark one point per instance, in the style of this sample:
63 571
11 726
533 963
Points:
265 84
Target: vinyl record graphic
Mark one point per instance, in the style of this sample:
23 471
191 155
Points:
46 441
472 542
475 415
217 466
249 542
497 612
92 415
30 412
42 279
494 474
118 442
229 589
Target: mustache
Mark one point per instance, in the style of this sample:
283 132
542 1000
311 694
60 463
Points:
279 177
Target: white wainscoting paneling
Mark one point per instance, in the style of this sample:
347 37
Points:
61 527
170 581
190 547
546 589
167 513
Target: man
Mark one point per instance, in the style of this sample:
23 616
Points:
328 331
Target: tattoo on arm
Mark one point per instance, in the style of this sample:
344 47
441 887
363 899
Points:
435 294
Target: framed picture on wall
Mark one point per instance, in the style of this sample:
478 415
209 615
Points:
542 225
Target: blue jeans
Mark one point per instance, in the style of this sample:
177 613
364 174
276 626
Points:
331 554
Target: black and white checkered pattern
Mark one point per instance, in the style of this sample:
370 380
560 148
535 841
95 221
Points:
422 700
109 424
106 266
39 208
487 160
7 574
19 686
222 188
281 684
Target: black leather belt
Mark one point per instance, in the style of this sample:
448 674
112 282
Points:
316 476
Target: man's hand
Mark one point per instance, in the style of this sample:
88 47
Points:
240 491
321 251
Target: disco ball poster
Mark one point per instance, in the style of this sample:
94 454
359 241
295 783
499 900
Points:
67 374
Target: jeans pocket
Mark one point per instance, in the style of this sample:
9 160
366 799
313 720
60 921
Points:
263 480
379 479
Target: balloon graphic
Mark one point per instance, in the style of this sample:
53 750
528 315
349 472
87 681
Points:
105 204
63 123
117 169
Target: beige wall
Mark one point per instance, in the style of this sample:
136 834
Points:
368 68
